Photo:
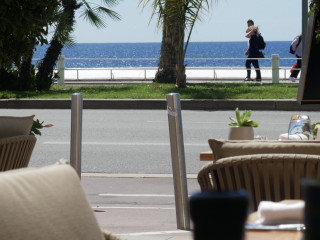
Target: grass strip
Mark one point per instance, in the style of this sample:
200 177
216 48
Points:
159 91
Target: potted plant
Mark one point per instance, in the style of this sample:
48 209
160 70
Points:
36 126
242 126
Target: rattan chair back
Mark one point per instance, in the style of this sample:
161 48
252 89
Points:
15 152
271 177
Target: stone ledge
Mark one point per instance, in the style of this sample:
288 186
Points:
186 104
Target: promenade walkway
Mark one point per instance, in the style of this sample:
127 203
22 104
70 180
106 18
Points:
103 75
87 81
136 207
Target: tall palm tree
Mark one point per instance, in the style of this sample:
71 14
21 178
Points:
64 27
178 18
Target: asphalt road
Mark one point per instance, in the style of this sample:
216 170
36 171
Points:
137 141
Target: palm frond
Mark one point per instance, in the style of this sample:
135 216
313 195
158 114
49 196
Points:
70 41
108 12
95 13
94 19
111 3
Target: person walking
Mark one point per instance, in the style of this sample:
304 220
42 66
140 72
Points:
253 52
296 49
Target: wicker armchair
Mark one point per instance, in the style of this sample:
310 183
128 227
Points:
15 152
272 177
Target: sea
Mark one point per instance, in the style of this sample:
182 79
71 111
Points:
137 55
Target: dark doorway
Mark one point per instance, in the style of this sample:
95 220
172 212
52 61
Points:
309 87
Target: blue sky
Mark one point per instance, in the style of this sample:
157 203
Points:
278 20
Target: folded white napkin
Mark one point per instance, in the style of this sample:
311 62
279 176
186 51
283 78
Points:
298 136
274 213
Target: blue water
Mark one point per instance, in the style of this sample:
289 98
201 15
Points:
152 50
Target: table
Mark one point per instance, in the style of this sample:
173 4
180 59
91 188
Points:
265 235
273 235
206 156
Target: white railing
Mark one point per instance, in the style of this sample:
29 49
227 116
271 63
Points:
274 72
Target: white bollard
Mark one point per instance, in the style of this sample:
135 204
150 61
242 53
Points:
61 70
275 68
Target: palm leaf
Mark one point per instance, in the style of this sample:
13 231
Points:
109 13
95 13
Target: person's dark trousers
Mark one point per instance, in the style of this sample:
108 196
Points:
255 63
296 71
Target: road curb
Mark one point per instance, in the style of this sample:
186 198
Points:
160 104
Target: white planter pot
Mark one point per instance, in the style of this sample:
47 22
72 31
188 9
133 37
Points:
241 133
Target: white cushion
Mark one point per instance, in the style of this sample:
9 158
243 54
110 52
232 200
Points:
230 148
15 126
47 203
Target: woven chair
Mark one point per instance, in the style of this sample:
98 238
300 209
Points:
271 177
15 152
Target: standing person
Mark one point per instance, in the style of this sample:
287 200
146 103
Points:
296 49
253 52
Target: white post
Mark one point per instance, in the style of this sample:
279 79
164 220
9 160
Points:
285 74
275 68
178 161
76 132
61 70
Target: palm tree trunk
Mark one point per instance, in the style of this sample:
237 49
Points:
45 70
181 80
5 81
168 58
25 73
45 75
167 61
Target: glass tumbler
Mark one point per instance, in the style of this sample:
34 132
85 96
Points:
300 124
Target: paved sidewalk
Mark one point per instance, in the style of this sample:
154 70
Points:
136 206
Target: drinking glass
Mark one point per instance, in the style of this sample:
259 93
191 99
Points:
300 124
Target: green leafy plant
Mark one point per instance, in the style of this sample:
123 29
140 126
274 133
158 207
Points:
314 6
314 130
38 125
243 120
